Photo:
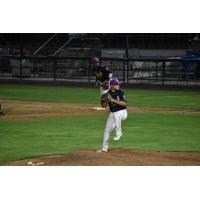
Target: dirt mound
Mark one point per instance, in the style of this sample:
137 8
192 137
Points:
114 157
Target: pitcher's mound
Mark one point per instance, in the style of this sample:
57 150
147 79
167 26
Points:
115 157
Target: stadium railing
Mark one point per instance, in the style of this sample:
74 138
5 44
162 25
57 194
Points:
159 71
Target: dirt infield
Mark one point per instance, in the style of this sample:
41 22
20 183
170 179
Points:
17 109
27 110
115 157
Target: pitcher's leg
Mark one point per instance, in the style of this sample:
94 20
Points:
108 129
101 91
124 115
118 117
117 121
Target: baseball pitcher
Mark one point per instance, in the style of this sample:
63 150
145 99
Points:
116 100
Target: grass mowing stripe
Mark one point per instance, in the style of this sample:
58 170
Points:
146 131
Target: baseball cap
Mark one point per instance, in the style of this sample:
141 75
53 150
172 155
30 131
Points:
95 60
114 81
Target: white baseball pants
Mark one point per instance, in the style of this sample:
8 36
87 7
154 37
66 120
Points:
102 91
113 122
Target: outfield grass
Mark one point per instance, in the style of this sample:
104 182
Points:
145 131
144 98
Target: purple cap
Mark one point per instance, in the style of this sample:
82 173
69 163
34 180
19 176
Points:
95 60
114 81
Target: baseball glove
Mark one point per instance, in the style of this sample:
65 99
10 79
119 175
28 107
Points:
106 98
105 85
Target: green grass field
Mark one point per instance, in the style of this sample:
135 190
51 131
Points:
146 131
144 98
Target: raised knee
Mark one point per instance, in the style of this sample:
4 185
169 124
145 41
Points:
124 117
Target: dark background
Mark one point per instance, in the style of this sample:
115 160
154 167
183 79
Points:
105 40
